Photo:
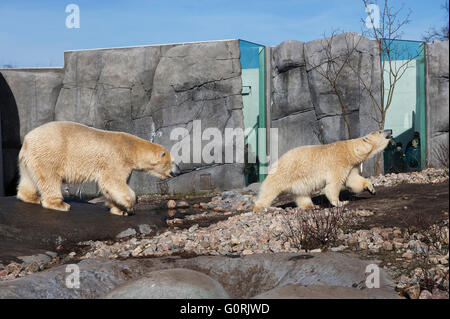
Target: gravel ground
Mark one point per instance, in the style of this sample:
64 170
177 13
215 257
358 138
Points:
418 259
427 176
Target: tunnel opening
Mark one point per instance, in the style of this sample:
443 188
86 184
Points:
10 139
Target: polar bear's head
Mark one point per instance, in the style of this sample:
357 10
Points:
159 162
373 143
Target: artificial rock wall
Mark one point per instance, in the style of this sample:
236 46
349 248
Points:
437 68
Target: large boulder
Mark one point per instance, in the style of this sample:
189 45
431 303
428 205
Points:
170 284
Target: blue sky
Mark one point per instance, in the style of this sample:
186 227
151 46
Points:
33 33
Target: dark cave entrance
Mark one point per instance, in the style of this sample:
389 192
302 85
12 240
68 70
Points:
10 139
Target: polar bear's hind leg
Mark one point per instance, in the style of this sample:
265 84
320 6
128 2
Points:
27 190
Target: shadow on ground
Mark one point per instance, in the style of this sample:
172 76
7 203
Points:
27 229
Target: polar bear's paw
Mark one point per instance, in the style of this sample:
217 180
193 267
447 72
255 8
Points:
117 211
339 203
28 197
369 187
55 204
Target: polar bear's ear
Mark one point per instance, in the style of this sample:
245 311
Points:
162 153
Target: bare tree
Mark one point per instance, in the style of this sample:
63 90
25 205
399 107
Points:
332 69
395 59
438 34
441 152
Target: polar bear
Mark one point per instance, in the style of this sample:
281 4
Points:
69 152
309 170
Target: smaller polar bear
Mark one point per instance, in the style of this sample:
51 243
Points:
69 152
309 170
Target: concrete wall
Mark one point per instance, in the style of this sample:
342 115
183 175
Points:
437 68
305 109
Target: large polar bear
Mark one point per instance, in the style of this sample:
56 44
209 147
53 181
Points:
69 152
308 170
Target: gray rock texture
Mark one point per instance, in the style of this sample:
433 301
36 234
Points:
304 107
171 284
322 292
437 68
35 92
243 277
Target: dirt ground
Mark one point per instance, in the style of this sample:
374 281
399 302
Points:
405 204
397 206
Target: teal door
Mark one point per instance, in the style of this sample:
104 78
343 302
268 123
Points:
406 115
253 99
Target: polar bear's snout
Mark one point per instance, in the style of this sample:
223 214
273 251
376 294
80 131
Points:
387 133
175 170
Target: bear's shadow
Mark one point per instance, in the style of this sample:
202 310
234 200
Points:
323 202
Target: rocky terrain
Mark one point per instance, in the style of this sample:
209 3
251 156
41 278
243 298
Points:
410 246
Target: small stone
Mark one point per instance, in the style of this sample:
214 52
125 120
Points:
398 245
175 221
171 204
408 255
364 213
247 252
413 292
32 267
136 251
438 294
13 268
317 250
124 254
193 228
363 245
148 252
425 294
126 233
145 229
339 248
182 204
387 245
51 254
